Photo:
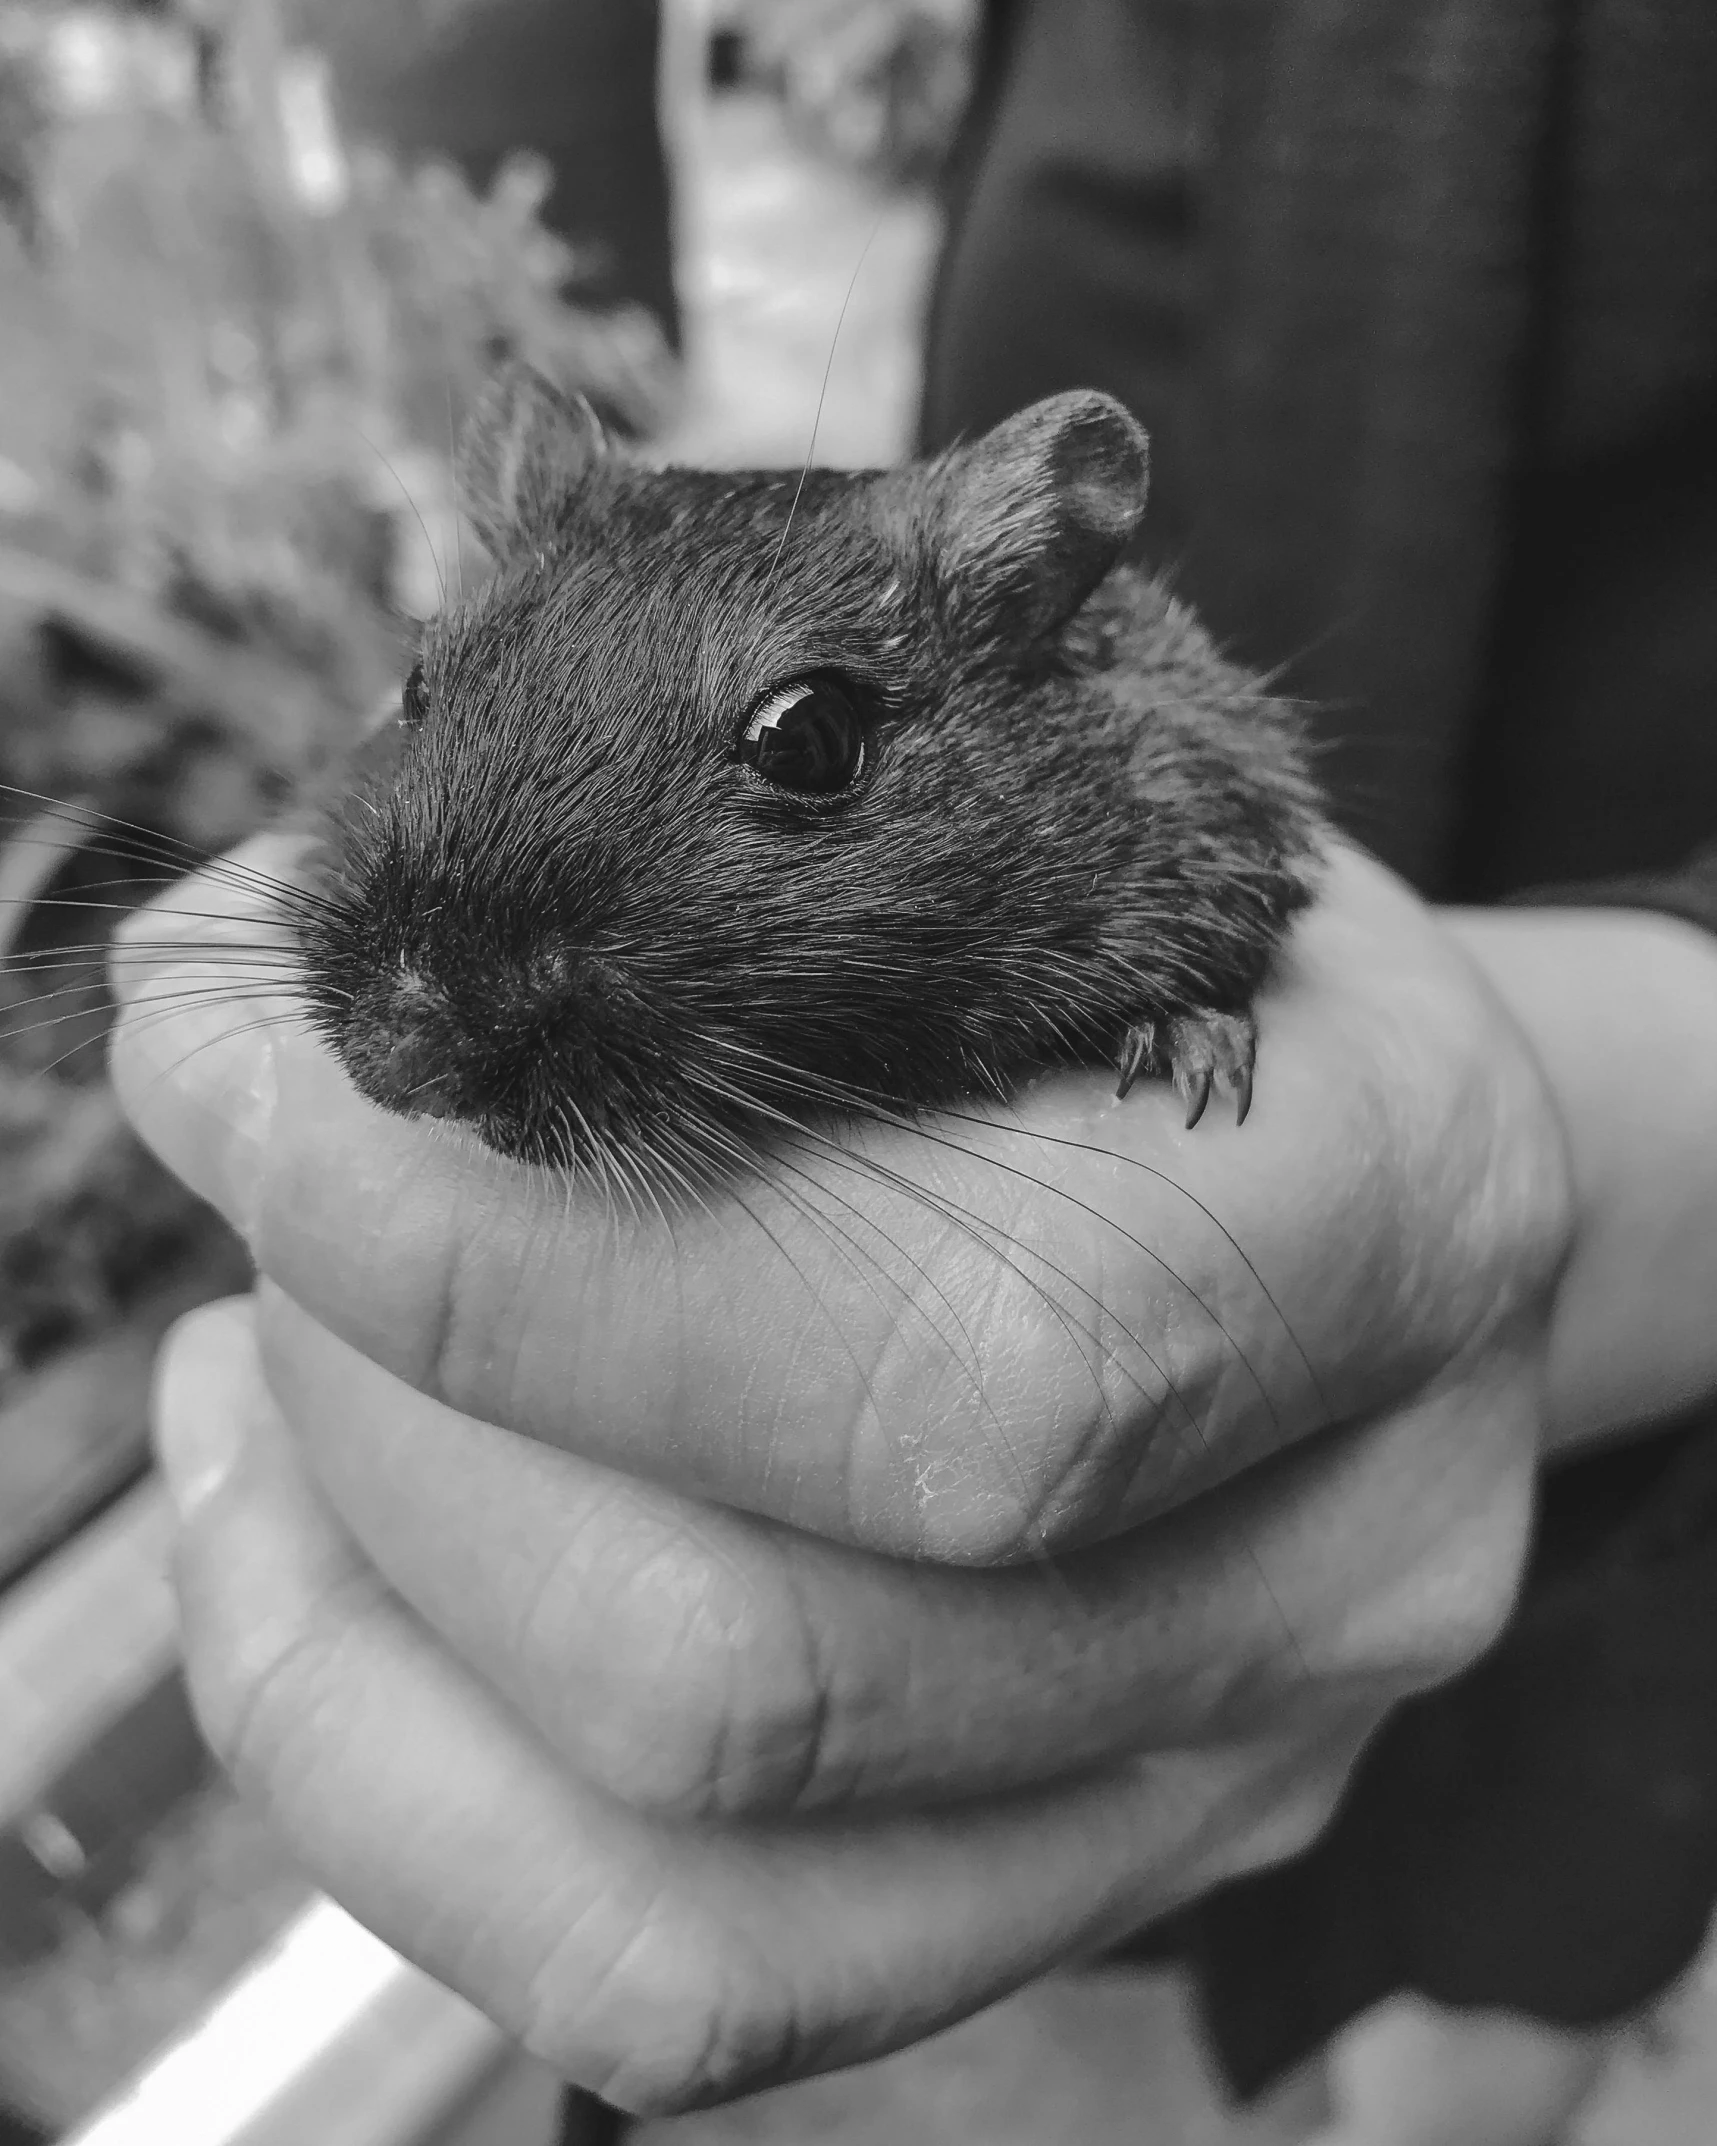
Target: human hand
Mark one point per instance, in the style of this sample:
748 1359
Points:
638 1727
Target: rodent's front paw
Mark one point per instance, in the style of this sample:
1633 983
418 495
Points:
1195 1050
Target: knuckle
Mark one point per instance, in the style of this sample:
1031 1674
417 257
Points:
1293 1791
700 2018
254 1707
1469 1585
738 1723
1436 1580
1299 1818
263 1697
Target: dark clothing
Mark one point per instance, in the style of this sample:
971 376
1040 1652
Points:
1419 301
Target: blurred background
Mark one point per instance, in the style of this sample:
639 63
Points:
256 256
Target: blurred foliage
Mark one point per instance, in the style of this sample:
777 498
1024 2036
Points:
233 354
880 84
217 347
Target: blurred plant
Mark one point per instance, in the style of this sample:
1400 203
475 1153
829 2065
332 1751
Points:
233 352
880 84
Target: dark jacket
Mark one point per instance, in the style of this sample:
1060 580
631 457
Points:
1418 299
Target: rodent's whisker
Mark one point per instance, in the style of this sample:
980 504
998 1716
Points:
941 1205
58 903
406 495
907 1295
822 397
148 845
1162 1177
1030 1513
813 1295
92 989
146 1020
1096 1214
983 1232
836 1096
453 491
275 1019
833 1098
863 1263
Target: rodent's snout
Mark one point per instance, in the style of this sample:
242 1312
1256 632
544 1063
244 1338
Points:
406 1047
523 1045
413 1071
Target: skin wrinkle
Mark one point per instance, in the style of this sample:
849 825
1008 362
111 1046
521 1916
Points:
912 1297
547 2006
490 1329
450 1956
777 1439
1054 1490
857 1771
680 1771
1192 1383
765 1692
557 1605
868 1432
1092 1229
983 1535
1117 1820
665 1982
799 1764
929 1291
1114 1474
252 1722
477 1944
1134 1638
640 1767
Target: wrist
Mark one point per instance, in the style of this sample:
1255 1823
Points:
1621 1008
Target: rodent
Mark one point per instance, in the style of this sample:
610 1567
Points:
743 799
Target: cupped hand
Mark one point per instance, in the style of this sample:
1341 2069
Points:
735 1641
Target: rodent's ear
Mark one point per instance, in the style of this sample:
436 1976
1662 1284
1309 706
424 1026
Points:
1032 516
526 448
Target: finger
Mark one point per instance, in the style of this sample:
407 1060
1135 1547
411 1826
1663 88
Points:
788 1673
980 1339
836 1300
658 1965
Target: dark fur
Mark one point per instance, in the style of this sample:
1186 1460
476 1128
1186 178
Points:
563 912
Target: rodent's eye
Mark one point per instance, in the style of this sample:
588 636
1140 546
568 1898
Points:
808 736
414 698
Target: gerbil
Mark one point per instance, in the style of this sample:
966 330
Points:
737 799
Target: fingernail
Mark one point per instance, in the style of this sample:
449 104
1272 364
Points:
204 1380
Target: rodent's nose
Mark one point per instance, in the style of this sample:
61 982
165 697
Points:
438 1098
416 1074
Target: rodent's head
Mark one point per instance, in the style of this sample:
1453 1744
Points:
732 798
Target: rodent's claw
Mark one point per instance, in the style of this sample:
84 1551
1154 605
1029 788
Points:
1137 1050
1200 1051
1206 1050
